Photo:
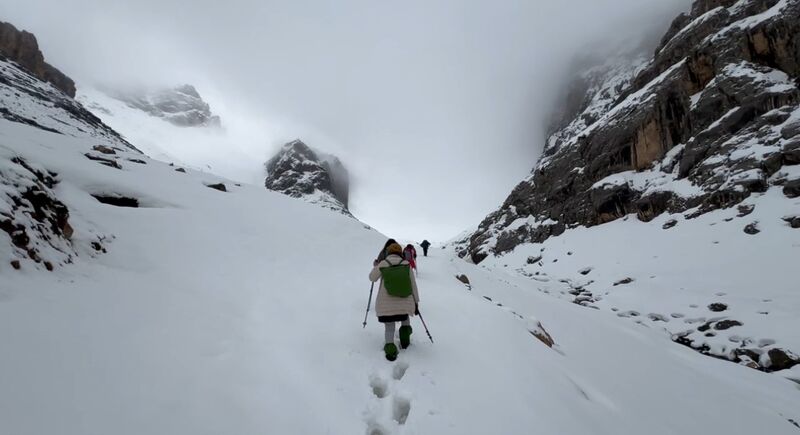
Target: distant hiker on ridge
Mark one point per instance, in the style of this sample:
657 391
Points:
397 298
425 245
410 254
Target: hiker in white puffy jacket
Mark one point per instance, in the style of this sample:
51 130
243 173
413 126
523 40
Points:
397 298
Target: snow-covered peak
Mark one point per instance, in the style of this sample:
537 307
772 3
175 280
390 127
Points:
182 105
300 172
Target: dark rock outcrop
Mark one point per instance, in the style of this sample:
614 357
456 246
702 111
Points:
21 47
717 307
702 125
300 172
218 186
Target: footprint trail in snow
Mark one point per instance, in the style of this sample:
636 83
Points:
390 409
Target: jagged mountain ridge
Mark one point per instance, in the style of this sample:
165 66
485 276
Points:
182 105
711 118
300 172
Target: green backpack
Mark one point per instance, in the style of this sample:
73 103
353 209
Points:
397 280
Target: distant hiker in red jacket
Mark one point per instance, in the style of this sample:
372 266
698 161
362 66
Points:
410 255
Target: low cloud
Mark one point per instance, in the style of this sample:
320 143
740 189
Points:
437 107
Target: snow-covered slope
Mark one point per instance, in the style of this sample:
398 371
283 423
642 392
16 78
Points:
180 302
704 281
188 325
195 147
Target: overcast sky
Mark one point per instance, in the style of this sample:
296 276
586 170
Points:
436 106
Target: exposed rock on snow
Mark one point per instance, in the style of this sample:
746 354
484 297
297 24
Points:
793 221
669 224
36 222
35 219
300 172
117 200
25 99
218 186
537 330
792 188
22 48
751 228
717 307
465 280
706 122
182 106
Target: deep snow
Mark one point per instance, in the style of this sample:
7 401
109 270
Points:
678 271
240 312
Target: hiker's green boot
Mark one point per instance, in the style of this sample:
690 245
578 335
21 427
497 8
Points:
391 351
405 336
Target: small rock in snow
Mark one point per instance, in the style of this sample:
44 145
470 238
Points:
726 324
792 188
780 359
218 186
103 149
793 221
669 224
717 307
745 210
752 228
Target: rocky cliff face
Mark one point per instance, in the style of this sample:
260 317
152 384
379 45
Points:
182 106
22 48
300 172
34 220
711 118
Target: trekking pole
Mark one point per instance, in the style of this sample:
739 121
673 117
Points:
419 313
369 302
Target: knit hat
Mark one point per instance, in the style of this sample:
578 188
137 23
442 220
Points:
394 248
